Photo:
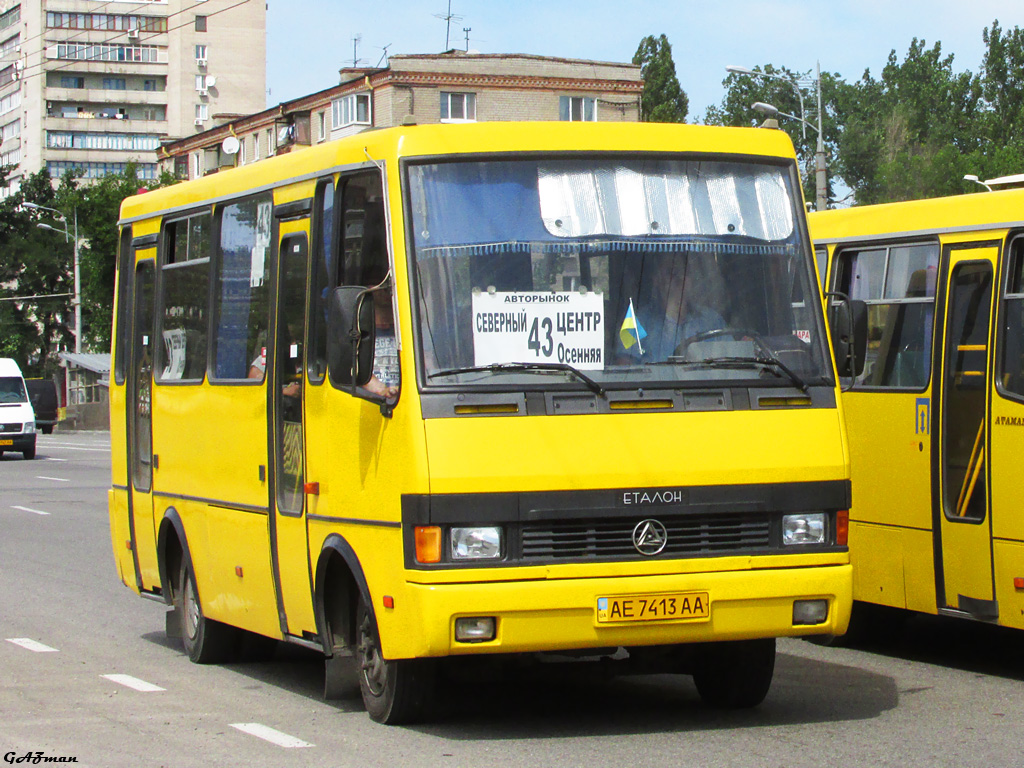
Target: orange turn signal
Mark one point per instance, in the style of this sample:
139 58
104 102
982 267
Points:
1018 582
842 527
428 544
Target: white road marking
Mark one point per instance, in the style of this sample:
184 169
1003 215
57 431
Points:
69 447
50 458
55 479
134 683
33 511
31 645
269 734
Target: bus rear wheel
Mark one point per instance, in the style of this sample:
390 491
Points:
205 641
736 675
394 692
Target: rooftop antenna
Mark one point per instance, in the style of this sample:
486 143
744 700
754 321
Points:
467 30
384 56
448 18
355 47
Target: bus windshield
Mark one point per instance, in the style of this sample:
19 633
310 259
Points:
630 270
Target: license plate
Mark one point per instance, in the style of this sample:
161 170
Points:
625 608
6 442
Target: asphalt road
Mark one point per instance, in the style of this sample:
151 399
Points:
87 672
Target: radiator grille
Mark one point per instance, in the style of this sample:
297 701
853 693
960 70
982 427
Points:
613 537
10 428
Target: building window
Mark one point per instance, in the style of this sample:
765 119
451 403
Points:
10 18
72 82
255 147
122 142
202 112
458 107
101 52
114 84
200 23
201 84
270 142
353 109
577 108
58 168
322 122
202 54
149 85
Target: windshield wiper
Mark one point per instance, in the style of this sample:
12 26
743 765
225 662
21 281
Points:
769 362
592 385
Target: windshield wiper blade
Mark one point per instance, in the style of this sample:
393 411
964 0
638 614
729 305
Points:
592 385
768 361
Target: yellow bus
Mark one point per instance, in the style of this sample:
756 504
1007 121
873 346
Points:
484 390
935 415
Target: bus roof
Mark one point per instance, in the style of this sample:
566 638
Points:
471 138
979 211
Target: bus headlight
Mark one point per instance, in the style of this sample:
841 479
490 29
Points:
480 543
803 529
30 428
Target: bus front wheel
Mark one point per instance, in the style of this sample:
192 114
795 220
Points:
736 675
394 692
206 641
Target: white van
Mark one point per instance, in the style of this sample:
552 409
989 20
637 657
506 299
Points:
17 419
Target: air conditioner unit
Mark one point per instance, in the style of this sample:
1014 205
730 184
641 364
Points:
199 121
201 63
133 34
204 92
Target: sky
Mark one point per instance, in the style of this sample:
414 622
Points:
308 41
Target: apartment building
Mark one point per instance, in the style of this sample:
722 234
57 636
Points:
92 84
448 87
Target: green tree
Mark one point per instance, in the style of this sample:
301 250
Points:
39 262
782 88
37 327
908 134
663 100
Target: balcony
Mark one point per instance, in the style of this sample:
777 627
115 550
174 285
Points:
90 122
105 96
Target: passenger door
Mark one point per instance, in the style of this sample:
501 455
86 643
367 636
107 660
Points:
140 425
288 385
963 442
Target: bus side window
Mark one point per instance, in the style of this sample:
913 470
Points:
184 292
241 290
1012 363
898 285
364 262
325 275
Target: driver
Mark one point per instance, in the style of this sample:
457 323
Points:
676 310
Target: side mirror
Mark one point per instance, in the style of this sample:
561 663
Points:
848 321
351 332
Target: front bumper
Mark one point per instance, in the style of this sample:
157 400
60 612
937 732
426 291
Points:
561 614
17 442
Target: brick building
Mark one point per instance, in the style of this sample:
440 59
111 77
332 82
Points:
426 88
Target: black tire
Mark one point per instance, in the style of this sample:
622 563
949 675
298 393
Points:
205 641
47 430
394 692
29 453
736 675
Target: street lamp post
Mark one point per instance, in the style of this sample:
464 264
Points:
77 300
820 170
